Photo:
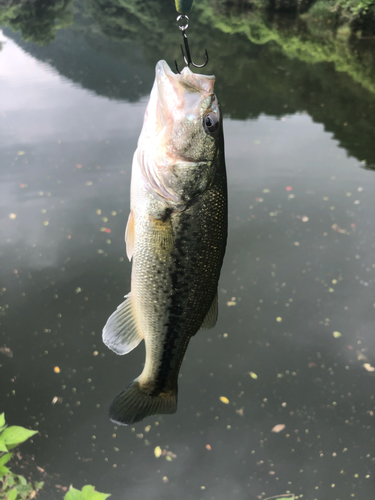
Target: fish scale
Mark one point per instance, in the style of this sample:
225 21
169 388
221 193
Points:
194 277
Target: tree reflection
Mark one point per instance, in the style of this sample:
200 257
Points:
264 62
37 20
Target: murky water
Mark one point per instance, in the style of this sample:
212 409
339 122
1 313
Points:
294 344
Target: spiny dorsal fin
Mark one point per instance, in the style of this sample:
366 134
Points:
129 236
121 333
211 317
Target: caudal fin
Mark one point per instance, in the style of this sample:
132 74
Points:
133 405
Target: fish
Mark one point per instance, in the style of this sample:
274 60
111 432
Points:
175 236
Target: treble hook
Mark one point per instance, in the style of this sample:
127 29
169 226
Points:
187 57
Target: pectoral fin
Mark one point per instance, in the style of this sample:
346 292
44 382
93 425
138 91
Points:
129 236
121 333
211 317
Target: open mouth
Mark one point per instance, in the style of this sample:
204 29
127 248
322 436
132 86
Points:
180 94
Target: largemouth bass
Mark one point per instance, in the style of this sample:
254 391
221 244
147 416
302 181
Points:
176 235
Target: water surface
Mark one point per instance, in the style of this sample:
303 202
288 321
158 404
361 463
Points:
296 322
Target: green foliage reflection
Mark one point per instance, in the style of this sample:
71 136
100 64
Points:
37 20
316 60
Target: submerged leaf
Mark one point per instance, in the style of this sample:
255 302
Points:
282 497
224 400
278 428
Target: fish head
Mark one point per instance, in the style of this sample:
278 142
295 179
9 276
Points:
182 133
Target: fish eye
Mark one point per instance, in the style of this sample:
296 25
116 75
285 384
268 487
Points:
211 123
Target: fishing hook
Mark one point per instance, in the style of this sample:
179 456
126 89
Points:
187 56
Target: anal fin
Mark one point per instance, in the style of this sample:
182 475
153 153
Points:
121 333
211 317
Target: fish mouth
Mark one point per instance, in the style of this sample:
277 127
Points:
166 86
180 94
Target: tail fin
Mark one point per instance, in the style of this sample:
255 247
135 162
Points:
133 405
